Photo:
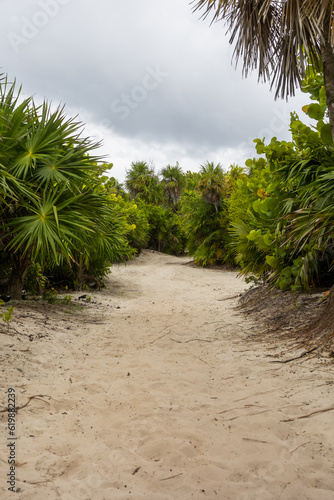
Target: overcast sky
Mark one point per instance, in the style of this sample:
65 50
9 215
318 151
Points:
148 77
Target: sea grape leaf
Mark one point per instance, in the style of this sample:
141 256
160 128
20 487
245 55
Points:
313 111
326 134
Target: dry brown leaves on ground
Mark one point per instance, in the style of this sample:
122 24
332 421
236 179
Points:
301 320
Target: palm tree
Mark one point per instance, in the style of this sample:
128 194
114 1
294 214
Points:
142 183
172 181
234 173
212 184
278 38
311 226
311 219
49 211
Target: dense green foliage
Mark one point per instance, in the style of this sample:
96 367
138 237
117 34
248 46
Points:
64 222
52 214
286 235
274 218
165 229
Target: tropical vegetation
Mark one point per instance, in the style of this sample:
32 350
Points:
53 218
286 42
64 221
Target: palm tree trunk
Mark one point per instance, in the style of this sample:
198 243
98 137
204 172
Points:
327 56
15 287
20 267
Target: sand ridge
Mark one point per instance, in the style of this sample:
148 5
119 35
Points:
154 391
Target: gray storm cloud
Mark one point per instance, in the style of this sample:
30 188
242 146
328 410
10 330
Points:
147 71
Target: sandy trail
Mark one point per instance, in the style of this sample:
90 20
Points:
154 392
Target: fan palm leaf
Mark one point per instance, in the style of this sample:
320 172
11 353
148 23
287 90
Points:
50 212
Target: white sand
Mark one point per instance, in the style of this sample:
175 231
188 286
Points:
156 393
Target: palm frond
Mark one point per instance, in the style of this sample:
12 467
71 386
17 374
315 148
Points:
275 37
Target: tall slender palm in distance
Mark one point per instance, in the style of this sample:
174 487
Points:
142 182
172 181
211 184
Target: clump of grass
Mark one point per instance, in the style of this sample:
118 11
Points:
52 297
67 299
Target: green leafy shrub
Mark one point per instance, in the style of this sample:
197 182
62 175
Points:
35 280
205 227
165 229
282 213
51 210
